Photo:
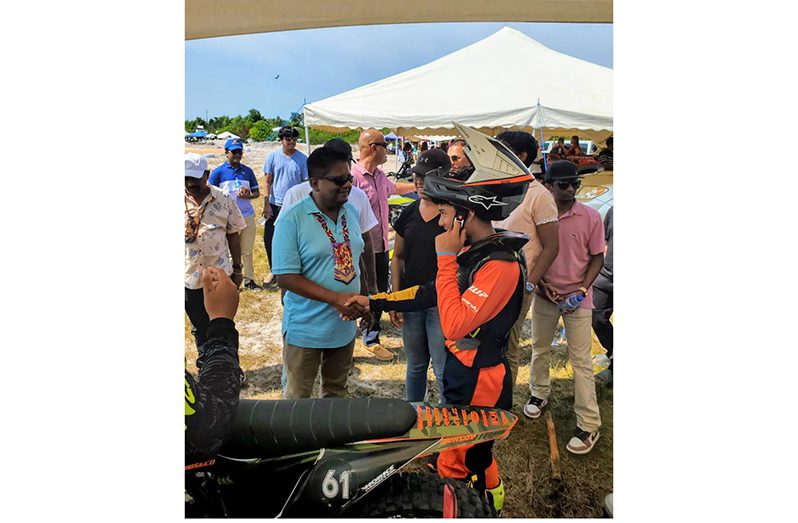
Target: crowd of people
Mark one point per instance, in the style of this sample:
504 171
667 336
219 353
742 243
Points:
472 255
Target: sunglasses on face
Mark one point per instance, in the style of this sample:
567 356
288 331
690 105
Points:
289 138
381 144
340 181
236 152
564 185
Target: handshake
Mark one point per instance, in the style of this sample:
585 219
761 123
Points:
351 306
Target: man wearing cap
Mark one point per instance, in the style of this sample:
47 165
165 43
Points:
580 257
372 180
283 168
414 248
213 223
239 181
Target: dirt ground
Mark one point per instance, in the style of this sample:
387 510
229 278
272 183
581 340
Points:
523 458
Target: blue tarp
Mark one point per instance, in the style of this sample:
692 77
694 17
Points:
198 134
391 136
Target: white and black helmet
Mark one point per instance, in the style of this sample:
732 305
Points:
493 186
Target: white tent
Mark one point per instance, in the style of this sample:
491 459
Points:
493 84
227 135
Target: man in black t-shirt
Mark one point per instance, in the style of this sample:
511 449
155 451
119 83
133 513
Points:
413 263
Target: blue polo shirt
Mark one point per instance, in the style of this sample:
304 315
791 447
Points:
231 179
287 170
300 246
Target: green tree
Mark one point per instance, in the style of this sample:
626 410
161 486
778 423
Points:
254 116
260 130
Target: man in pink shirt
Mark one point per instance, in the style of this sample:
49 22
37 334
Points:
578 263
369 177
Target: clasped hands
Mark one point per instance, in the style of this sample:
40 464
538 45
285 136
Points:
351 306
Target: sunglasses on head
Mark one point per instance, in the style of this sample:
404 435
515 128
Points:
381 144
340 181
564 184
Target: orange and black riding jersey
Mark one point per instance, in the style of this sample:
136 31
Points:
478 294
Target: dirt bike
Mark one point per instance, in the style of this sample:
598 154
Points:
341 458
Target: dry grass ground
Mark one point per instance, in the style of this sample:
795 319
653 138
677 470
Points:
523 458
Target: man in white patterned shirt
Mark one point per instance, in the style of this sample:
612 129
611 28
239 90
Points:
213 223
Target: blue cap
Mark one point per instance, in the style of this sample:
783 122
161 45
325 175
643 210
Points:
233 144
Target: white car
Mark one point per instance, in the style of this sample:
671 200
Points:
587 146
596 191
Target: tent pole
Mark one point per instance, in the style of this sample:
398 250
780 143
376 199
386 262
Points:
305 121
542 140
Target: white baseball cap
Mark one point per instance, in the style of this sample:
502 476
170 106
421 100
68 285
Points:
196 165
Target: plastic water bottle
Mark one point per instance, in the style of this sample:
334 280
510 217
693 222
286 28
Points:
571 302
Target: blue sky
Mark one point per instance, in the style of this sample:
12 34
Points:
230 75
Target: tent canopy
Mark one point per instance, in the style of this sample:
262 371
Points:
227 135
506 74
210 18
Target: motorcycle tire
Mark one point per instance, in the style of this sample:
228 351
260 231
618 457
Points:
420 495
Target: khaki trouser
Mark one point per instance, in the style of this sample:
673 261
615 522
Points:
247 246
578 334
303 366
514 341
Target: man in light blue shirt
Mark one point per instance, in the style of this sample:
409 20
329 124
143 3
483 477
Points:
283 168
317 245
239 181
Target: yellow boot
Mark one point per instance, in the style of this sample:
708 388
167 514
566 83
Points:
496 496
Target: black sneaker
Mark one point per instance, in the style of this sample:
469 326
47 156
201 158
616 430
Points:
534 407
252 286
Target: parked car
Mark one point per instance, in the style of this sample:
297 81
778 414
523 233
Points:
587 146
596 191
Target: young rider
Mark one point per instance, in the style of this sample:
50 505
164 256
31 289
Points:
478 290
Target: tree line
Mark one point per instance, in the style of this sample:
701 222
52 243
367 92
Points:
256 127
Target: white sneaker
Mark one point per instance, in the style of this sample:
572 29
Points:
534 407
582 442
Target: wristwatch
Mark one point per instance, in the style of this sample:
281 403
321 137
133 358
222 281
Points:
530 287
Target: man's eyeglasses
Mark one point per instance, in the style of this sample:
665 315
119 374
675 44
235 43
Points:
292 138
340 181
564 185
454 158
381 144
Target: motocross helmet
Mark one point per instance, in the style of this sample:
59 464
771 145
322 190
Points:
494 185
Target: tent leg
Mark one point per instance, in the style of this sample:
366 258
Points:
542 141
307 138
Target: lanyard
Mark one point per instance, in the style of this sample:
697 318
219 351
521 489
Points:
342 251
